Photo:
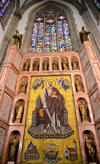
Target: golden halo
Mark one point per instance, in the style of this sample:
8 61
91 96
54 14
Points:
46 83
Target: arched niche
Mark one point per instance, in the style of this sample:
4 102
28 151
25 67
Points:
36 64
55 63
13 146
64 63
18 111
78 83
45 64
22 89
74 63
26 64
90 146
83 110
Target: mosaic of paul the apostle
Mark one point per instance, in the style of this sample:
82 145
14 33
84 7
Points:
52 99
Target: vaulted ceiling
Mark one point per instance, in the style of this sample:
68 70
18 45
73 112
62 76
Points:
79 4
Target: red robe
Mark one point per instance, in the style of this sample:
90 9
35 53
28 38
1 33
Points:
55 103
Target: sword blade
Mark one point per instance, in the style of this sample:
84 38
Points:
48 113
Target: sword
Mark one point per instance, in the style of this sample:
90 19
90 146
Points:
48 113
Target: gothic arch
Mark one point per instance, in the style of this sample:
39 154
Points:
71 21
75 3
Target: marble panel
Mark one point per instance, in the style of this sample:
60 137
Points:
89 77
97 70
9 57
2 136
98 130
84 57
95 99
5 107
91 52
3 76
17 60
11 81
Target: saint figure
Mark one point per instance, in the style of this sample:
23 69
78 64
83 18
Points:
13 149
45 65
19 112
26 66
64 64
52 99
91 149
84 111
24 86
55 65
84 35
36 66
17 39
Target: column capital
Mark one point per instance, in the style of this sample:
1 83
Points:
18 14
83 10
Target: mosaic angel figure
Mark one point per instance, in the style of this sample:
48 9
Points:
37 83
63 83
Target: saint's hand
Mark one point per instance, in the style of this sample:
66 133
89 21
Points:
54 96
44 106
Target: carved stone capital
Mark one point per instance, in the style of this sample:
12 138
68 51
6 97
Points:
18 14
83 10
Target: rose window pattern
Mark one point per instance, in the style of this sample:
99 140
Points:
50 32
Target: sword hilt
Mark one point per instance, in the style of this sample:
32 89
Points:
45 107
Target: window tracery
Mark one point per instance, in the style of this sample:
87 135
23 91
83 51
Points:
50 32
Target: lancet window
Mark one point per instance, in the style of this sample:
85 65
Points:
3 6
50 32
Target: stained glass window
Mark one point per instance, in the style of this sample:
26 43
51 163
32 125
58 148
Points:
97 2
47 38
53 38
3 6
50 33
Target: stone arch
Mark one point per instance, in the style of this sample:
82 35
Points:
78 5
71 21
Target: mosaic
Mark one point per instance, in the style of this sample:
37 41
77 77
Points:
51 134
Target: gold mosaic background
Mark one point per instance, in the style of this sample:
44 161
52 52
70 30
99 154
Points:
41 143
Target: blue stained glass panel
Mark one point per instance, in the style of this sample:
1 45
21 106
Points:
53 38
40 38
47 38
61 36
97 2
4 8
34 38
67 36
